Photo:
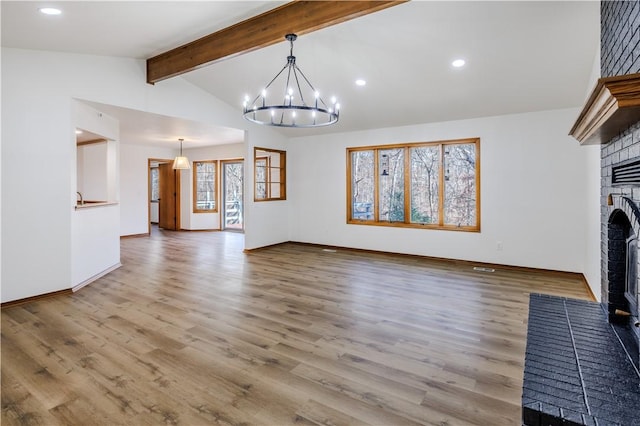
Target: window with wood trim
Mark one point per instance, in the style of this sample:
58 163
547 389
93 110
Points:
432 185
205 186
155 183
269 174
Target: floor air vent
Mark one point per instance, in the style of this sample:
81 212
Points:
482 269
329 250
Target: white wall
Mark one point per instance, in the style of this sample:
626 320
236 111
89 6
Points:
134 191
37 129
592 247
532 192
92 171
154 212
1 192
95 244
199 221
267 221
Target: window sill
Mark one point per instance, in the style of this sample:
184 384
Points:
415 226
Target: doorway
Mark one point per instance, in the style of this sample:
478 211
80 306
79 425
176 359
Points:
164 194
232 217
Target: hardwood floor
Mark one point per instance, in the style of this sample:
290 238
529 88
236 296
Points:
191 331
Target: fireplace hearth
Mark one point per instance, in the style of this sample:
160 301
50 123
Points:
582 359
577 372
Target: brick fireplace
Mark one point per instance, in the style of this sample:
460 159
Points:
620 187
611 118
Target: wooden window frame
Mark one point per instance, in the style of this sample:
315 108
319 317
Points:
268 177
215 186
407 186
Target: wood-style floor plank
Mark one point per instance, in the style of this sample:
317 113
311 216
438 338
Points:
192 331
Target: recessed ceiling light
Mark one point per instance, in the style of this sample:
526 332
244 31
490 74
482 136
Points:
458 63
78 132
50 11
361 82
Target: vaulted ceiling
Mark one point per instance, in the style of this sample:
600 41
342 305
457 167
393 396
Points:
520 56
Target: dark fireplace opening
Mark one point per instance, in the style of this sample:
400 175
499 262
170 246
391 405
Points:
622 272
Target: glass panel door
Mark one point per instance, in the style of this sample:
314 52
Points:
232 185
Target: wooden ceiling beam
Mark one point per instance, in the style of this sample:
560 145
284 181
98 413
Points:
299 17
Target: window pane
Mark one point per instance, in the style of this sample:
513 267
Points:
362 185
155 184
261 170
440 189
205 188
261 190
460 185
261 178
391 181
275 190
274 174
270 174
425 165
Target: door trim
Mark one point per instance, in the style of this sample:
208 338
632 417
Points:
223 195
178 193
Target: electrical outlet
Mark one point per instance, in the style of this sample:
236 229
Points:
499 246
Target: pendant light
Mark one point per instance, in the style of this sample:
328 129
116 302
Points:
181 162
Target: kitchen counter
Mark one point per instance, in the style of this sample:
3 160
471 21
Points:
91 204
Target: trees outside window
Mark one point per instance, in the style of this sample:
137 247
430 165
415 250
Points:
425 185
155 184
391 185
362 185
205 186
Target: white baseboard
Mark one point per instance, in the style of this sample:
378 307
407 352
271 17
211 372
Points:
95 277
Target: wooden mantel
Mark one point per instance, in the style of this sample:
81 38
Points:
613 106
